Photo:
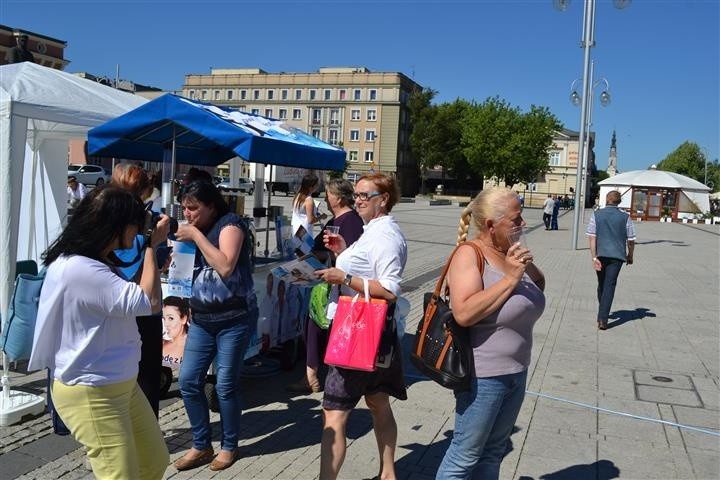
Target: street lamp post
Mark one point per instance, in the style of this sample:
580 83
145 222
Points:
588 41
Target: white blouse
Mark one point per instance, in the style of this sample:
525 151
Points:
379 254
86 331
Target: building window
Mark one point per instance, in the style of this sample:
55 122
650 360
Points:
333 136
316 132
192 94
369 156
316 116
342 94
203 95
334 116
298 94
554 159
356 95
270 94
268 112
217 94
284 94
230 94
255 111
371 115
282 114
313 93
370 135
243 94
326 94
353 155
373 94
256 94
355 114
354 135
297 114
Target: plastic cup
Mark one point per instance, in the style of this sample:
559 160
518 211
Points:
333 232
515 235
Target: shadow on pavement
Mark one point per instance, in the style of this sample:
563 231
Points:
624 316
600 470
674 243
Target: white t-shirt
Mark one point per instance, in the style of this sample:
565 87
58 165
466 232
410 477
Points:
379 254
299 218
86 331
548 206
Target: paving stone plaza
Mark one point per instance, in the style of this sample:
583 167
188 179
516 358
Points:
640 400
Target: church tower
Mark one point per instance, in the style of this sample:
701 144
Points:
612 160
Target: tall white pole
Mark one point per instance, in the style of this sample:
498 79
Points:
587 43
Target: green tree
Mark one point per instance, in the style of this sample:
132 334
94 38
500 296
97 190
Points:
688 159
501 141
422 113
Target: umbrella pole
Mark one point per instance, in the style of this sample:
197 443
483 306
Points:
267 215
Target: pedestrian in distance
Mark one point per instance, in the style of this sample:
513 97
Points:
500 308
611 234
86 334
548 207
224 316
555 213
304 212
339 199
378 256
20 53
76 191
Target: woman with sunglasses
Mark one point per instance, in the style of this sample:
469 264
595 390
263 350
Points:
379 257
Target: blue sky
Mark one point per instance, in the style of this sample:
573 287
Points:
660 56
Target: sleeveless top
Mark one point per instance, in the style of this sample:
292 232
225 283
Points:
299 218
211 294
502 341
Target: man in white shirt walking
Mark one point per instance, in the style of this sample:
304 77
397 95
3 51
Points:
547 211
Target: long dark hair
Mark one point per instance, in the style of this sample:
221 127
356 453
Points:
100 217
205 192
307 184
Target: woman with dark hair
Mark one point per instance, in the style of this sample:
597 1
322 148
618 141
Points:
176 322
304 213
224 317
339 199
133 178
377 258
87 336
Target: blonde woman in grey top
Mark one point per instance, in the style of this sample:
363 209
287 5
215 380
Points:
500 307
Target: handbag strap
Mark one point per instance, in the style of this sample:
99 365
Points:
480 262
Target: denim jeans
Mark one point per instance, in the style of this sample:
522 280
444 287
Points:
607 280
484 418
226 342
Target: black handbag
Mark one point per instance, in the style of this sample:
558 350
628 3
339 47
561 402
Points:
442 349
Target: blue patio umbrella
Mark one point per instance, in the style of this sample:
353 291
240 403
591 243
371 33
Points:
198 133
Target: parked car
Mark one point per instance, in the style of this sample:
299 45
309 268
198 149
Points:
246 185
89 174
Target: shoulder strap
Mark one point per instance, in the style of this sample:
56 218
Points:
480 262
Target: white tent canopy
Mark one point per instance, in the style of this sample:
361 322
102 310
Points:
40 110
695 193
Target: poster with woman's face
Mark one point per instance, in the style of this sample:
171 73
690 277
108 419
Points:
176 323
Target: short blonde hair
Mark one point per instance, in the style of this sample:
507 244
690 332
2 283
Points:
488 204
132 177
384 184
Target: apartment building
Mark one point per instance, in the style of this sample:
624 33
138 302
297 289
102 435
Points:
48 51
560 179
364 112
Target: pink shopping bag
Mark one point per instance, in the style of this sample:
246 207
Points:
355 333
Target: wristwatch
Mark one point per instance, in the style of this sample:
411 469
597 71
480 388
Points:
348 279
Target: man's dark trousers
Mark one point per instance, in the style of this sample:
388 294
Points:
546 220
607 280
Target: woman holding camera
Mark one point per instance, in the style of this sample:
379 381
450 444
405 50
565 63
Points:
133 178
86 334
224 311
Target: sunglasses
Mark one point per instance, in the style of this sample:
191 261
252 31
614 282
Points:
365 196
